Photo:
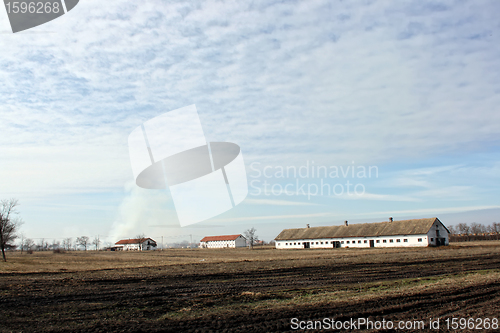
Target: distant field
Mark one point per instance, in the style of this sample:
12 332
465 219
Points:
239 290
77 261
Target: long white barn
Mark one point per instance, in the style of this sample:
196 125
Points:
225 241
417 232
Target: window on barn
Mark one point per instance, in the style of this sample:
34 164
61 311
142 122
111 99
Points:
359 242
405 240
385 241
294 243
420 239
348 242
342 242
321 243
378 240
317 243
391 241
398 240
365 241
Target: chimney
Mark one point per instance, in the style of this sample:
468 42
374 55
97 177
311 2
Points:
308 226
390 219
346 223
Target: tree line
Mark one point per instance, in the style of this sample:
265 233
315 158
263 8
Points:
464 232
67 244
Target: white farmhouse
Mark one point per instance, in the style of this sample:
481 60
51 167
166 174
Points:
135 244
417 232
218 242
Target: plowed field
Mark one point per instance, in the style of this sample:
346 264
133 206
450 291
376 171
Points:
248 291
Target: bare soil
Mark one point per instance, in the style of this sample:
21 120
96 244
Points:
246 291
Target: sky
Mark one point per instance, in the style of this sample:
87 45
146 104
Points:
405 94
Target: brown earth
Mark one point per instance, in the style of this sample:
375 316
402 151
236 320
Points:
246 291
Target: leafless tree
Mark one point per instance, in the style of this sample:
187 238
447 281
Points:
477 228
22 237
96 242
463 228
43 245
67 242
452 230
140 239
29 244
250 236
9 224
83 241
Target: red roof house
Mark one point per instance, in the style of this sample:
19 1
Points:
136 244
223 241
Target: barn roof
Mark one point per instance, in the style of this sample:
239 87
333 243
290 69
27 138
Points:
132 241
404 227
219 238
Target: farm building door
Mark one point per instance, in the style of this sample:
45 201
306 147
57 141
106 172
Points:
372 243
307 245
336 244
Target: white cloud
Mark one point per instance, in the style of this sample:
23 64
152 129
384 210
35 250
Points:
274 202
272 217
377 196
426 211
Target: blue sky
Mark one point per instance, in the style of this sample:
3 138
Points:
412 88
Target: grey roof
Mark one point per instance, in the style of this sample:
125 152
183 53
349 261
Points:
404 227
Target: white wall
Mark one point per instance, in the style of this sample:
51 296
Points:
357 242
239 242
135 247
218 244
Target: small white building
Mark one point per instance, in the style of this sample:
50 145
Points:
417 232
136 244
219 242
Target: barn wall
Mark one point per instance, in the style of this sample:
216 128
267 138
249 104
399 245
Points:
356 242
220 244
438 231
241 242
135 246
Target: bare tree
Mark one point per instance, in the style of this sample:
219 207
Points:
452 230
495 228
21 235
96 242
67 242
8 223
83 241
250 236
463 228
29 244
140 239
477 228
43 245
